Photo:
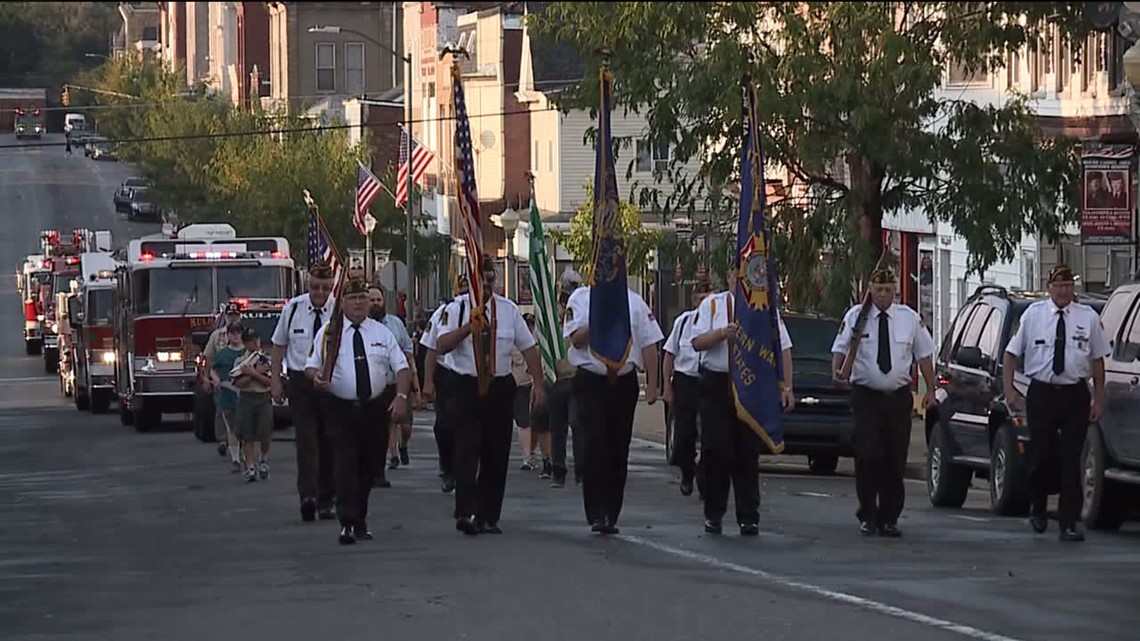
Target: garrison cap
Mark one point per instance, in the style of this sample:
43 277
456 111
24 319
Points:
1061 274
320 269
354 286
883 277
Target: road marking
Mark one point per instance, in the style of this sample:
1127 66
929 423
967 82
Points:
976 519
30 379
831 595
820 495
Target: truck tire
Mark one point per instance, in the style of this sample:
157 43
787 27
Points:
1009 476
126 416
51 361
1106 501
947 483
823 464
82 400
146 419
100 401
32 348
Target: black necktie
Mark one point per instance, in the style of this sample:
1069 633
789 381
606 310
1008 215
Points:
1059 344
884 344
360 359
316 321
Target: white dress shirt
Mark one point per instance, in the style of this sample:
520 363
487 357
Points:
686 360
511 334
713 314
1035 337
294 330
645 332
910 342
383 352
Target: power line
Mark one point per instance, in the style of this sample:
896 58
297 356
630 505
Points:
291 130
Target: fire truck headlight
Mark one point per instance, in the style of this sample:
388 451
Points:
107 357
40 317
169 357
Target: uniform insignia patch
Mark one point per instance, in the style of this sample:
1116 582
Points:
428 326
443 318
569 312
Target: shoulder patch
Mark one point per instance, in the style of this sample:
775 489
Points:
428 326
569 312
443 317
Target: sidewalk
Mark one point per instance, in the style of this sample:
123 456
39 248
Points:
649 425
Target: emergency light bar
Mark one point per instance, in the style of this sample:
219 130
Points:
71 260
147 256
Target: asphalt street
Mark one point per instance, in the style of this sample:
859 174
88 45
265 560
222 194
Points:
111 535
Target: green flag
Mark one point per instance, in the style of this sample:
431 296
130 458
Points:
548 329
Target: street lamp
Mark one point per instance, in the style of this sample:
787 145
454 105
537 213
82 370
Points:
509 219
410 223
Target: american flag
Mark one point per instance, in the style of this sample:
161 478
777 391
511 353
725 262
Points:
468 195
321 249
367 188
421 158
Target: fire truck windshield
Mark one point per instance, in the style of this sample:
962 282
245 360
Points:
63 281
100 307
194 290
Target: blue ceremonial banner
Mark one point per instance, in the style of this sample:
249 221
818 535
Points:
611 336
756 362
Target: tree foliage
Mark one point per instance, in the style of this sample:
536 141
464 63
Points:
211 161
43 44
851 105
579 240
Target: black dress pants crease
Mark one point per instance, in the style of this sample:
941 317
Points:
730 453
1058 417
314 451
444 428
561 414
605 416
359 435
483 427
686 406
882 440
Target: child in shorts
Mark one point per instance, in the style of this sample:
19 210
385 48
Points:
254 414
225 394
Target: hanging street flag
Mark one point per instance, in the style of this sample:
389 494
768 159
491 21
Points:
421 158
756 361
367 188
611 335
547 326
471 219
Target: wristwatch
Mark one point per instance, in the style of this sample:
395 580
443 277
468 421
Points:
402 395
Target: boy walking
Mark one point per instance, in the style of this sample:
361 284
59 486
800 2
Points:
254 415
225 394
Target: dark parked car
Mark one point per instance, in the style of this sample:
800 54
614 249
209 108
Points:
141 207
973 432
122 197
820 426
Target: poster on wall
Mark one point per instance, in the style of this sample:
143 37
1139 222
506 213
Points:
1107 194
926 287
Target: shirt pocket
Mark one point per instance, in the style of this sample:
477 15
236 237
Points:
1080 342
504 338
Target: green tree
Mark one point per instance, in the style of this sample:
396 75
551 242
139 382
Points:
579 240
844 83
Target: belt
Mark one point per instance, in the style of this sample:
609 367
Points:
879 392
1060 386
355 402
686 374
712 372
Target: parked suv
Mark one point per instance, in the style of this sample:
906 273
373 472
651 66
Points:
820 427
1111 459
972 432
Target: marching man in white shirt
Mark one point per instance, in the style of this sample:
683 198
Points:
1063 344
606 408
682 377
730 450
292 342
438 372
351 368
484 424
892 339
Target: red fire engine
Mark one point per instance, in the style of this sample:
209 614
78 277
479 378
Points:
34 274
91 314
170 290
62 257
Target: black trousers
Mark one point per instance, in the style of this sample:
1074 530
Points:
359 435
730 453
605 415
444 427
385 400
882 440
1058 418
686 405
483 430
560 417
314 452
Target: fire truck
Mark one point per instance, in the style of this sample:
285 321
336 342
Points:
29 123
170 289
90 316
33 274
61 255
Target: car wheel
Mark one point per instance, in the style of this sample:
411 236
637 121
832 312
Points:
947 483
823 464
1106 502
1009 479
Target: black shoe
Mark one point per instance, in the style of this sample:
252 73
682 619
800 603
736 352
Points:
597 527
547 469
866 529
608 527
749 529
489 528
467 525
346 537
713 527
381 481
447 484
404 460
361 533
1039 523
393 462
326 513
308 510
559 480
1070 534
890 530
686 485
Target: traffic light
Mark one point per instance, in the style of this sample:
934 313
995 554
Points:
66 97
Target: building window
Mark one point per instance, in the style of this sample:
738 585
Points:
1014 64
326 66
150 33
957 74
353 67
1029 271
652 158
